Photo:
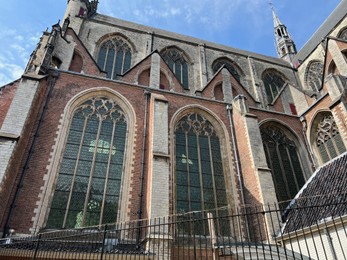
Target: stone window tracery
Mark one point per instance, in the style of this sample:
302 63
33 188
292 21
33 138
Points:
314 75
283 159
199 176
178 64
273 83
227 64
328 139
115 57
87 190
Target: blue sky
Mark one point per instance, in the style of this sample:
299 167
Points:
243 24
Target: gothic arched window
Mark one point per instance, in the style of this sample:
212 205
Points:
199 177
343 34
89 179
314 74
328 139
227 64
283 159
273 83
178 64
115 57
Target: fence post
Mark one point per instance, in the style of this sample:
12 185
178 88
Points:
37 246
213 235
103 242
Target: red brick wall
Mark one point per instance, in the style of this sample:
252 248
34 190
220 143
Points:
6 96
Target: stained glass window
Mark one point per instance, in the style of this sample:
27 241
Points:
114 57
88 186
273 84
178 64
200 184
328 139
283 159
227 64
314 74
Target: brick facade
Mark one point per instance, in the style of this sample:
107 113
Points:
150 90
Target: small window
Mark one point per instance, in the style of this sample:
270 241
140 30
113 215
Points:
76 63
218 92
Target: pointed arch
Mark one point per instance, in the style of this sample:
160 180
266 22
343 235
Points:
89 177
114 55
201 171
179 62
313 75
273 82
233 68
343 34
325 137
285 158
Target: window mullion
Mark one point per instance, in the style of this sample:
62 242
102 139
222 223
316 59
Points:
75 173
200 174
214 184
328 151
293 170
91 173
123 61
188 173
106 58
114 63
107 174
283 172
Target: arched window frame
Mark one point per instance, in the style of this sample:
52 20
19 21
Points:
286 169
313 75
115 56
326 138
233 68
273 82
178 63
45 200
225 149
343 34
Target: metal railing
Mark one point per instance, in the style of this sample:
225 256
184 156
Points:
248 233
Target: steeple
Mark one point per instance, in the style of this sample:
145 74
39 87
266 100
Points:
285 45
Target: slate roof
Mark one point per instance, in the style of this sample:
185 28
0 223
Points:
324 196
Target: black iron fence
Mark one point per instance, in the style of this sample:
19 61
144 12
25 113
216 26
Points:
249 233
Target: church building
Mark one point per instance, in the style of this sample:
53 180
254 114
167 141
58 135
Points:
114 122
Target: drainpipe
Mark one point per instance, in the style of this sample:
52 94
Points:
229 109
147 94
54 75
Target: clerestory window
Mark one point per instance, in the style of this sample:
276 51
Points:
343 34
273 84
115 57
178 64
227 64
88 187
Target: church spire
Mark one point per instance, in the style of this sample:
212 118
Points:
285 45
